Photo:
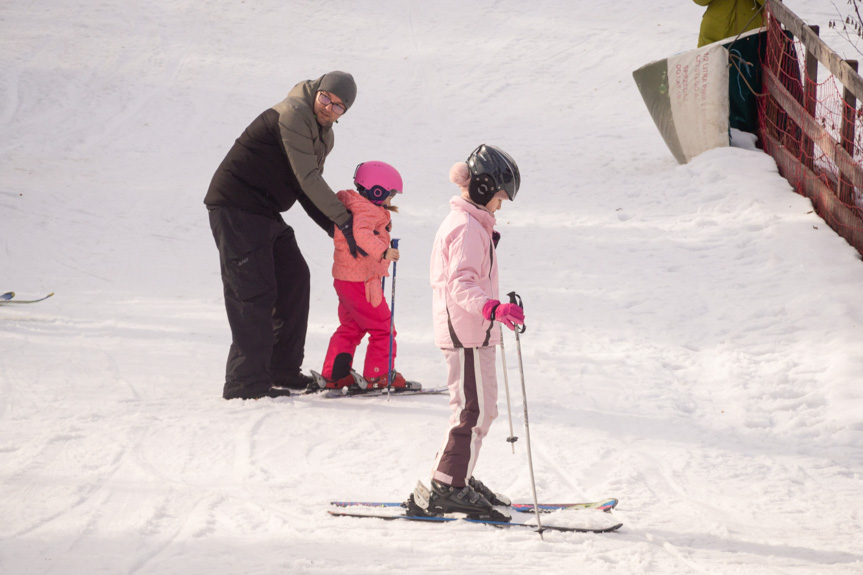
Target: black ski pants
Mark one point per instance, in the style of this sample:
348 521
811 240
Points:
267 286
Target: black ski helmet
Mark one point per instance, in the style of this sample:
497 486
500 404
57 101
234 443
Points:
491 169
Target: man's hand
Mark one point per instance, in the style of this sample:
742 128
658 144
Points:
347 230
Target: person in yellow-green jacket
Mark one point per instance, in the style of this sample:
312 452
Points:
727 18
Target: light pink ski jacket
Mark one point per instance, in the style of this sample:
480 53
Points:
372 234
463 277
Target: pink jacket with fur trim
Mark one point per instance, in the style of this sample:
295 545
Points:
464 277
371 232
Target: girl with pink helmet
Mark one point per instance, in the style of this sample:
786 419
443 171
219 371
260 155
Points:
357 279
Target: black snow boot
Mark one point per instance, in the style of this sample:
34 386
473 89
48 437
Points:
297 382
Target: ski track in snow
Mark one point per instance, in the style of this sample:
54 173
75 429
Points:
693 342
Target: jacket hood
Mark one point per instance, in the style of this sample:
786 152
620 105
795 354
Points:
353 201
484 217
305 92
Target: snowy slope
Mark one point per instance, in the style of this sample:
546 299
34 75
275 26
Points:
694 342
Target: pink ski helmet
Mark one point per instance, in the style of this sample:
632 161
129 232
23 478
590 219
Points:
377 181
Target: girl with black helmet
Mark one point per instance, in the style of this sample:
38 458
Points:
466 305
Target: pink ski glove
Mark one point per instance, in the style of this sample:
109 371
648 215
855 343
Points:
509 314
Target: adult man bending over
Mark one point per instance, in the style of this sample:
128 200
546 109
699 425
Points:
277 161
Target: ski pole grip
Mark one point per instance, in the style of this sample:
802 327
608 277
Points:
394 244
516 299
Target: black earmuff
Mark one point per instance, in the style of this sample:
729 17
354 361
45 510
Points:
482 188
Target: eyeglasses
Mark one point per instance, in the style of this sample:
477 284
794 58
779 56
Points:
326 101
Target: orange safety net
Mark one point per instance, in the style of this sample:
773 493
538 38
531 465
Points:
784 57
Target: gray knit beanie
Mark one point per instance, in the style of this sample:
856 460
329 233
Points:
341 84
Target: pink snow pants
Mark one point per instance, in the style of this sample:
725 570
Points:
473 400
357 318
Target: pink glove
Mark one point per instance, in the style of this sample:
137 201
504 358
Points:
509 314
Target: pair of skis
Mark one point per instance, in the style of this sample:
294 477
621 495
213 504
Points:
392 511
8 298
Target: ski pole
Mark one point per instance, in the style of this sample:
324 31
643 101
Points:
516 299
512 438
395 245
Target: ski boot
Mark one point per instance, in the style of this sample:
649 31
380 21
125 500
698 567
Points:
398 382
445 499
341 377
494 498
321 383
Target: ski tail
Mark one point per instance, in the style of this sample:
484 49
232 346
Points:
4 300
601 505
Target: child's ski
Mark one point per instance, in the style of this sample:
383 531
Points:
502 524
361 388
357 392
4 300
601 505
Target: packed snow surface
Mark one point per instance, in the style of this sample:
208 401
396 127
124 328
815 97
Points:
693 343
